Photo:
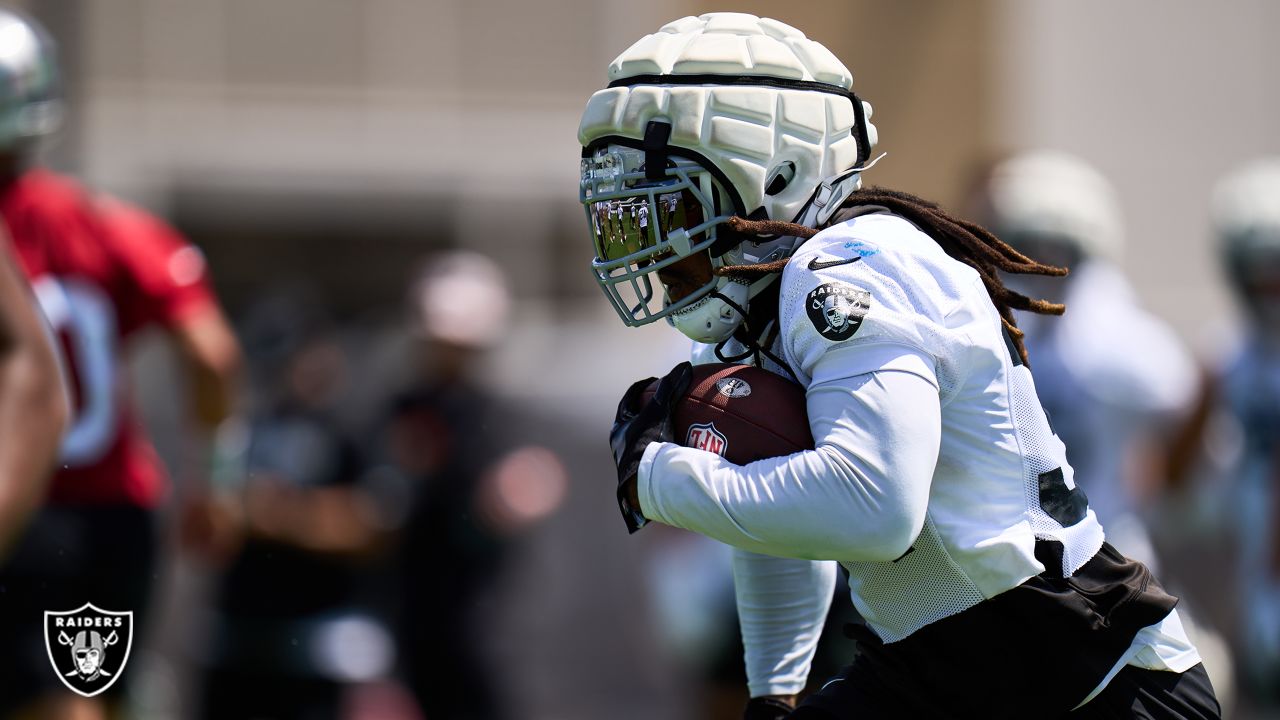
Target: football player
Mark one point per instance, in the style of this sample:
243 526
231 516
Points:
1113 377
984 578
1235 431
452 440
102 271
312 524
33 402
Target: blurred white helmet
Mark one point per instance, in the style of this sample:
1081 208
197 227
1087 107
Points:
1246 210
461 298
1052 197
1246 217
30 96
710 117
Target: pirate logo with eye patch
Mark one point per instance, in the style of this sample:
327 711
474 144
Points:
836 309
88 647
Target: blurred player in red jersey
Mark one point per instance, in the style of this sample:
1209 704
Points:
33 404
101 270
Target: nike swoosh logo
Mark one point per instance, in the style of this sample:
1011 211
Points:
816 264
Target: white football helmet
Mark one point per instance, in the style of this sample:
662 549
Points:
30 95
460 298
1051 198
1246 218
1246 210
710 117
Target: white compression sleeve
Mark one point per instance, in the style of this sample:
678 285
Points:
861 495
877 436
782 605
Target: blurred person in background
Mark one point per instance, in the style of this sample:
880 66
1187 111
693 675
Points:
1114 379
1233 437
473 487
102 272
292 632
33 401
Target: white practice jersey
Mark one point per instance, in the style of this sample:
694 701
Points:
936 470
1112 377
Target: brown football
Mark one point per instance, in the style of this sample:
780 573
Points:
742 412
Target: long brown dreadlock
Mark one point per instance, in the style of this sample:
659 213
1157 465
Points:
967 242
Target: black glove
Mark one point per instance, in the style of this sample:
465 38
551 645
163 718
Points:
635 427
766 708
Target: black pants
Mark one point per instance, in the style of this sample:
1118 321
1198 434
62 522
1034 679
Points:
66 557
1153 695
1033 651
234 695
1133 694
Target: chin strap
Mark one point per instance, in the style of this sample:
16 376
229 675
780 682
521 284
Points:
729 301
754 349
756 344
734 359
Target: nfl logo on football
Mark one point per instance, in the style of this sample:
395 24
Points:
707 437
88 647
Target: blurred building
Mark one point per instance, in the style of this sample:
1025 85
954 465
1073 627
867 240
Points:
360 131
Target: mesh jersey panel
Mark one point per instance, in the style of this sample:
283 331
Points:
926 573
1043 453
985 512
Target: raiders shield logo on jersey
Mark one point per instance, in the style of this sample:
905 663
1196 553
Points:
88 647
836 309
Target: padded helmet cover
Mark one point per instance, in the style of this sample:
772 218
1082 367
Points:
752 133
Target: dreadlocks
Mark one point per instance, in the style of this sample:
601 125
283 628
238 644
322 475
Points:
967 242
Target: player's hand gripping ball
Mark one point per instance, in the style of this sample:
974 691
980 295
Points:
644 416
740 412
